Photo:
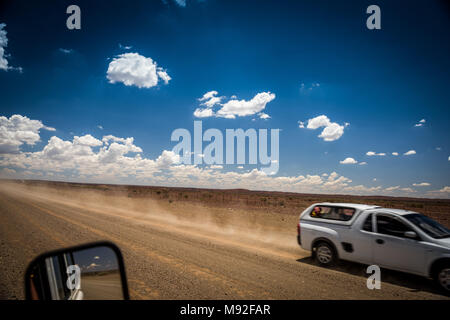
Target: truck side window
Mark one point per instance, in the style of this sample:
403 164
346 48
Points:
368 226
391 226
332 213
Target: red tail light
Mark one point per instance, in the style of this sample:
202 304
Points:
298 228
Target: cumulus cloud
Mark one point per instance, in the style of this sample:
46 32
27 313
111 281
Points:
133 69
332 131
164 76
210 99
263 115
87 140
409 153
422 184
445 189
444 192
125 47
395 153
392 188
203 113
372 153
348 161
3 44
233 107
420 123
18 130
112 159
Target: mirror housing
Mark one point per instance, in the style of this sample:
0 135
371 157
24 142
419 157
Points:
93 271
411 235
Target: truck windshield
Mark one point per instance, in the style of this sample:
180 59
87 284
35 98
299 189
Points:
429 226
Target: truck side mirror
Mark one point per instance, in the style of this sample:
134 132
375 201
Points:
93 271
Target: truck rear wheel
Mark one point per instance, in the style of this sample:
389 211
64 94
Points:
325 254
442 277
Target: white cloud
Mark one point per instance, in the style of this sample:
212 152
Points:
317 122
422 184
203 113
420 123
233 108
410 152
3 44
132 69
445 189
444 192
19 130
331 132
301 124
392 188
112 159
348 161
242 108
362 163
125 47
263 115
208 95
164 76
372 153
167 158
438 148
87 140
210 99
395 153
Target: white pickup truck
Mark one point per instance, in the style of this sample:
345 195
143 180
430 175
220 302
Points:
394 239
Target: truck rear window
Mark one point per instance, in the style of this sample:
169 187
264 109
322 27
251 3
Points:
332 213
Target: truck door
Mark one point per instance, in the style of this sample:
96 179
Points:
395 251
364 240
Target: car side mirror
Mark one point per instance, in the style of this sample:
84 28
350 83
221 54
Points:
410 235
93 271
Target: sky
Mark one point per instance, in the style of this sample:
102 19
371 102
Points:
359 111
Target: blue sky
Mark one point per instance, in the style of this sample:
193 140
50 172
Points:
316 58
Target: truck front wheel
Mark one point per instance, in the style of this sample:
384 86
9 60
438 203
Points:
324 254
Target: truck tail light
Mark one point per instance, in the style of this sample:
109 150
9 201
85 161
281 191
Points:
298 228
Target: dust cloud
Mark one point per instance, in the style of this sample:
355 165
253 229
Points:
271 233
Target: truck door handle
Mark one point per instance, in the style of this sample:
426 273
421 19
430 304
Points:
379 241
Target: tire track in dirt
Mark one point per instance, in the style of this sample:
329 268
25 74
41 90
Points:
169 260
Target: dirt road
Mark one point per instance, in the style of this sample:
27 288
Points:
168 258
